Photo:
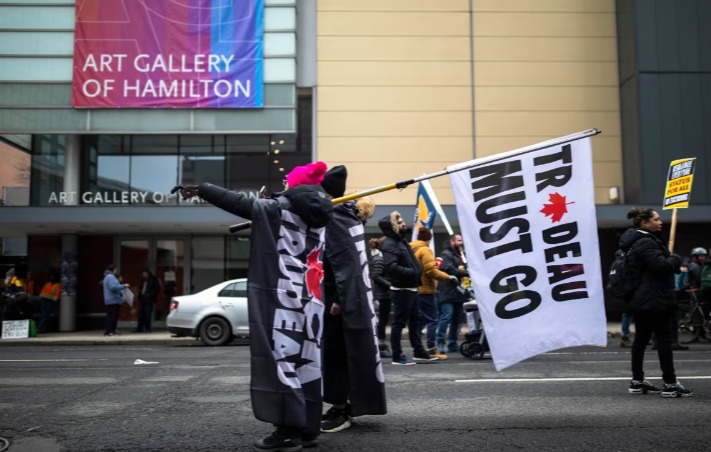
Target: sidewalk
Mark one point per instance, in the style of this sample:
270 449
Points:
158 337
96 337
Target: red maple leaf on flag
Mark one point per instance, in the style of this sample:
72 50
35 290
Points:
556 207
314 274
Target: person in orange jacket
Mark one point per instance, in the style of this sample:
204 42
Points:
429 312
49 296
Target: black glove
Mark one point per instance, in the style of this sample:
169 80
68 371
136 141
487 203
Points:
186 191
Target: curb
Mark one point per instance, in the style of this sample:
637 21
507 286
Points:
99 341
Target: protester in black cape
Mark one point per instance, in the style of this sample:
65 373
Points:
401 268
653 301
353 380
381 293
284 302
147 294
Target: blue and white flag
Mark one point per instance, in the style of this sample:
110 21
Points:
528 221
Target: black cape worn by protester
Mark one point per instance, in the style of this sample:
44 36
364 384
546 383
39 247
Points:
347 282
284 299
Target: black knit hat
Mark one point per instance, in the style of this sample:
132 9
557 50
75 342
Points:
334 183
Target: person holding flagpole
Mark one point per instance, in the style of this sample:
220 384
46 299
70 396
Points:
353 379
284 301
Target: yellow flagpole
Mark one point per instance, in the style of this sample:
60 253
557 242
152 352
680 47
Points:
452 169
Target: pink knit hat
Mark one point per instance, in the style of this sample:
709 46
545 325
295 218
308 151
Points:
309 174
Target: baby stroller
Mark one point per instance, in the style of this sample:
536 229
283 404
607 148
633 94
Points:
475 344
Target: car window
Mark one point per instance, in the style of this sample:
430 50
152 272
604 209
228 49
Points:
240 289
228 291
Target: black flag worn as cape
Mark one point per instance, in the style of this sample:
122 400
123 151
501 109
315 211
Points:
285 317
284 299
347 282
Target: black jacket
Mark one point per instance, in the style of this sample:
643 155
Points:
649 258
447 290
380 285
151 291
400 266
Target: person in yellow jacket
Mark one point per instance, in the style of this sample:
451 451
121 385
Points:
49 296
429 313
13 284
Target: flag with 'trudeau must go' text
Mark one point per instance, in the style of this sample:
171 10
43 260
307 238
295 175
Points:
529 226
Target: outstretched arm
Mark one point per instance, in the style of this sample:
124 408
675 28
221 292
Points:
235 203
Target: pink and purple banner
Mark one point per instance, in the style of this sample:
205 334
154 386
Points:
168 54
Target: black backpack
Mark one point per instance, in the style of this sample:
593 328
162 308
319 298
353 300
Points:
622 279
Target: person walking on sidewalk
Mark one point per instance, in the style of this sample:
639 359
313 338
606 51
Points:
653 300
429 313
113 298
401 268
381 293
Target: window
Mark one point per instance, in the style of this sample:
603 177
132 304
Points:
228 291
240 289
47 181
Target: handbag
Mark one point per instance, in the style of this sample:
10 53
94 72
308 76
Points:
128 296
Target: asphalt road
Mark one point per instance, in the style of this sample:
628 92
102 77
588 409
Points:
192 397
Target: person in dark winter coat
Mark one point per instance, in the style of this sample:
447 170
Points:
284 301
653 301
147 294
381 293
401 268
450 299
353 379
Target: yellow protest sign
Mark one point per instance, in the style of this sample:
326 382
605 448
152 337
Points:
678 190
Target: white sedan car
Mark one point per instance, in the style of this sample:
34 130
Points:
216 315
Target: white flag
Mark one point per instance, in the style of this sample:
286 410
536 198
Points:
530 231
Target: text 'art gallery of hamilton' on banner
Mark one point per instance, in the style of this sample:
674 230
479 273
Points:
168 54
528 220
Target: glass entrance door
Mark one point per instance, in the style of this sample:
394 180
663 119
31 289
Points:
134 257
170 271
165 259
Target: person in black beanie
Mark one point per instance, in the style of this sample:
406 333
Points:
334 182
353 381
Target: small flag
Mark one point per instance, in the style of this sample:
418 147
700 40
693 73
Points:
425 211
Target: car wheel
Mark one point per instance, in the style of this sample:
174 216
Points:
215 331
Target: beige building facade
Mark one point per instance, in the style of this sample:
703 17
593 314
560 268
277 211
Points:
407 87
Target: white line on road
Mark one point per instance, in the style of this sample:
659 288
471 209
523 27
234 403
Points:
543 380
49 360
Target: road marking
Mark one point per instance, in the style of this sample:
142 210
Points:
544 380
48 381
49 360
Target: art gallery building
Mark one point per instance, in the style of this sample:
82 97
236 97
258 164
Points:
390 89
